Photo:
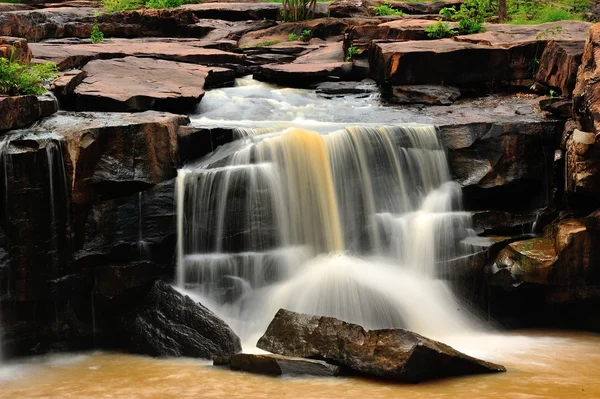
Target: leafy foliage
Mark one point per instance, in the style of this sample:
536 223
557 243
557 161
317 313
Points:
292 37
439 30
97 36
351 53
305 35
157 4
470 16
386 9
121 5
10 1
537 12
18 79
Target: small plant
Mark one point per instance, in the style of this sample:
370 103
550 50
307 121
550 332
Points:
386 9
305 35
18 79
351 53
470 16
267 43
97 36
439 30
552 93
292 37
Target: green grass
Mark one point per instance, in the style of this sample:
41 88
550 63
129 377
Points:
386 9
10 1
532 12
18 79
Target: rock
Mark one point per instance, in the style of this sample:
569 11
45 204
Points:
139 84
15 48
276 365
235 11
364 87
64 86
558 65
5 7
20 111
75 53
167 323
501 53
559 106
583 165
394 354
348 9
420 8
524 261
303 75
424 94
586 94
401 30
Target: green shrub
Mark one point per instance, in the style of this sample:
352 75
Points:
528 12
157 4
18 79
386 9
305 35
439 30
121 5
97 36
351 53
292 37
10 1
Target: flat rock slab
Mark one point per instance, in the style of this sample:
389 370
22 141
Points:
75 53
276 365
20 111
302 75
401 29
506 35
394 354
139 84
424 94
420 8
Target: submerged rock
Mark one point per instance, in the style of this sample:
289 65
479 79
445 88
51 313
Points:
166 323
277 365
394 354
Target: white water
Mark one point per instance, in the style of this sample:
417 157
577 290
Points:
354 224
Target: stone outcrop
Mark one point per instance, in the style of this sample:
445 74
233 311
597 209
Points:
20 111
140 84
349 8
74 53
583 164
402 30
167 323
422 7
15 48
394 354
276 365
424 94
558 65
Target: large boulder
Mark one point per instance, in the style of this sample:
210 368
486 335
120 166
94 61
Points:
349 8
166 323
140 84
583 165
558 65
394 354
20 111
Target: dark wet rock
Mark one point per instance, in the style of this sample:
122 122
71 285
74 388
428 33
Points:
302 75
559 106
558 65
424 94
111 155
349 8
64 86
583 164
503 223
15 48
586 94
276 365
139 84
75 53
166 323
20 111
364 87
394 354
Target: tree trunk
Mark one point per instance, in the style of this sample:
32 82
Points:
502 11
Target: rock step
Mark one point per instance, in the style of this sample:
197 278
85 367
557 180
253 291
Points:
277 365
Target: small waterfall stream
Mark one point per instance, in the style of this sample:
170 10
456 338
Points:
353 224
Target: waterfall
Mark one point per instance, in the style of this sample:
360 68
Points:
355 224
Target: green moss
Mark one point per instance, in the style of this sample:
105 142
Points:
267 43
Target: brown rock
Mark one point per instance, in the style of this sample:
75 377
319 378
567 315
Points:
424 94
394 354
70 53
422 7
559 106
302 75
401 29
5 7
586 95
276 365
583 164
20 111
138 84
15 48
64 86
558 65
349 9
235 11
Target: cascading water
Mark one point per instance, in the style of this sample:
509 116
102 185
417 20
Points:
353 224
